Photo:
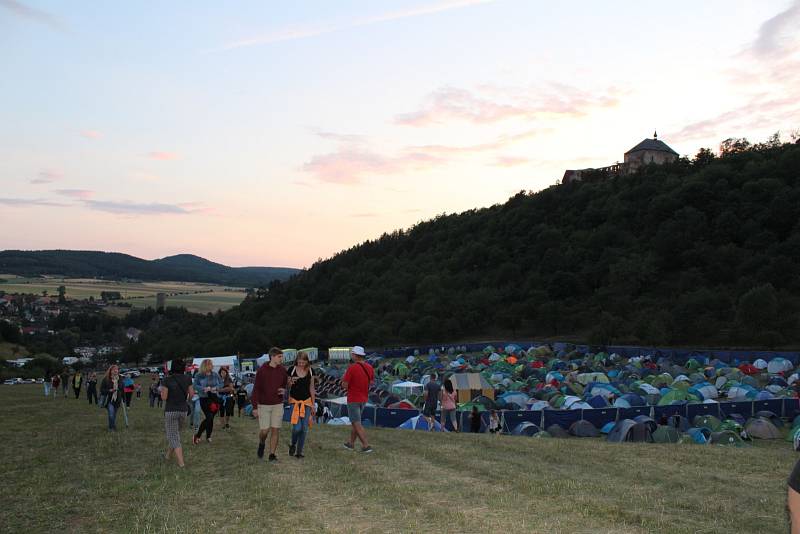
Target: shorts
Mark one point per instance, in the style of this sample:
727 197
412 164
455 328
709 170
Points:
226 407
354 410
429 410
270 416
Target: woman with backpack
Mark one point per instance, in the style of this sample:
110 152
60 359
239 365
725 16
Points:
302 398
206 385
175 392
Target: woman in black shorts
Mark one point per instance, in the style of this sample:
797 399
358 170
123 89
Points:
302 398
226 395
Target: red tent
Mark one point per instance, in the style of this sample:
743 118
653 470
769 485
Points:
749 369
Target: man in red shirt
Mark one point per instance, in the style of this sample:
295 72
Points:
356 381
267 398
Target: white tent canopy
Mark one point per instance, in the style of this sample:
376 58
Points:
407 387
231 362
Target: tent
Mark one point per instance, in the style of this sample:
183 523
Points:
419 422
666 434
699 435
704 390
779 365
762 429
760 364
726 437
583 429
586 378
707 421
471 385
526 428
629 430
231 362
557 432
742 392
402 405
404 389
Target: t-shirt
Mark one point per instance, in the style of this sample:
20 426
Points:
433 388
358 377
177 389
301 389
268 380
448 400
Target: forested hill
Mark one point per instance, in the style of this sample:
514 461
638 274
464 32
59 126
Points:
181 268
703 251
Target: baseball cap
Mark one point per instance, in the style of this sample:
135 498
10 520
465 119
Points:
358 351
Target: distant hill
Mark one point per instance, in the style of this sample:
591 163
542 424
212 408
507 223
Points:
114 265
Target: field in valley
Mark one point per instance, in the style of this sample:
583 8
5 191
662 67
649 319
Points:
200 298
63 471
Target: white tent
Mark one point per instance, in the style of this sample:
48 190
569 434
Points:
231 362
779 365
760 364
407 388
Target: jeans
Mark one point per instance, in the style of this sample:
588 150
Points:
299 431
46 389
196 414
91 394
112 416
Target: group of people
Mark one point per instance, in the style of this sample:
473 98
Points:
77 381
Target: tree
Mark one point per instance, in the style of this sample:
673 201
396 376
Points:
703 157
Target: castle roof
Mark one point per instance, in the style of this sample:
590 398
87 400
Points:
652 144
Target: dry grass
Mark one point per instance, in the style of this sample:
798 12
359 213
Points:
63 471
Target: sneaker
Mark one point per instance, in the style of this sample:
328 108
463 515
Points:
273 459
299 455
291 450
260 452
348 446
367 450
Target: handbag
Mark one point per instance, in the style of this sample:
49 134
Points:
213 406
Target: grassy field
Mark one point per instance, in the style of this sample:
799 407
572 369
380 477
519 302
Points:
64 472
200 298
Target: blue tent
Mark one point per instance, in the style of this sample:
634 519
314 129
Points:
597 401
525 428
699 435
420 423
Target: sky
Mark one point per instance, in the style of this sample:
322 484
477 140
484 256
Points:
279 133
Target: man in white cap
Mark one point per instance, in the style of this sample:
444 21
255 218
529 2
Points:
356 381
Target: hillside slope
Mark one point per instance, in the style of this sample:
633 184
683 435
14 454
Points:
91 264
696 252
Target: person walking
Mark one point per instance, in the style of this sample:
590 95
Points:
431 394
267 399
111 387
241 399
226 398
56 381
356 381
475 420
127 383
91 388
175 392
302 397
77 382
206 384
47 383
154 390
447 396
64 382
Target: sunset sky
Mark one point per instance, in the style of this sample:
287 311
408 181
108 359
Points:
277 133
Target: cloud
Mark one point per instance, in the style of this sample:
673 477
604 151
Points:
353 162
304 32
82 194
342 138
775 34
29 202
47 176
487 105
91 134
162 156
510 161
768 72
36 15
127 207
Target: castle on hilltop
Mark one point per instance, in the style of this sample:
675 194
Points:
647 152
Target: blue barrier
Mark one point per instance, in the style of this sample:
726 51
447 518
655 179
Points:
512 419
742 408
563 418
600 416
633 411
772 405
791 408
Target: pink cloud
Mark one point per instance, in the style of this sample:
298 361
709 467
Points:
489 105
47 176
91 134
163 156
510 161
81 194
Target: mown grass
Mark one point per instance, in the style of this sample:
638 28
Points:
63 471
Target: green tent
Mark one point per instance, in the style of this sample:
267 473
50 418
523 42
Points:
666 434
677 395
708 421
727 438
